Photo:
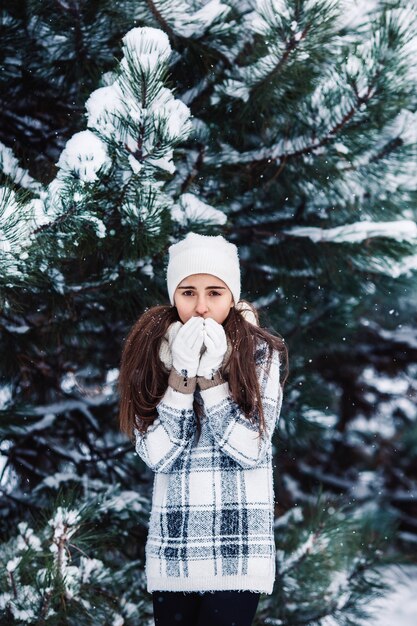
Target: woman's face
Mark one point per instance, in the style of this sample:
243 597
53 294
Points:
203 295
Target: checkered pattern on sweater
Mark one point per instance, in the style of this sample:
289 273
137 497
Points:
211 523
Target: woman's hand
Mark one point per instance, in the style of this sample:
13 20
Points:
216 346
186 347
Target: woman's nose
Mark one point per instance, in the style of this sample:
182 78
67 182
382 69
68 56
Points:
201 306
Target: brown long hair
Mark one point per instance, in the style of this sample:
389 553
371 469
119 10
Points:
143 379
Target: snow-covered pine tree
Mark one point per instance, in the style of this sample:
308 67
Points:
299 145
55 439
53 54
62 569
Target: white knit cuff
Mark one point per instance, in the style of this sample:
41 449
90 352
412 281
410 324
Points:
215 395
177 400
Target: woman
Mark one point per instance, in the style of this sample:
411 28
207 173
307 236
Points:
201 393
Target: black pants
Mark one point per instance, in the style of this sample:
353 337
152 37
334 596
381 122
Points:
219 608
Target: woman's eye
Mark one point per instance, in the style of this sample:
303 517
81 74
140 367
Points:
191 293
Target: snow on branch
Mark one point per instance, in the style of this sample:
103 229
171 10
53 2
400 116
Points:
8 224
85 155
283 28
407 265
133 122
190 208
136 112
18 218
343 95
400 230
60 563
17 221
178 17
9 165
150 46
295 557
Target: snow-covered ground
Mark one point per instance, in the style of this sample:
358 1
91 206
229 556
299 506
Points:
398 607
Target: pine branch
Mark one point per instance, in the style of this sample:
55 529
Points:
195 170
162 22
34 470
290 46
56 222
73 9
265 156
30 127
21 501
329 610
391 146
46 601
300 554
199 94
335 130
310 321
13 584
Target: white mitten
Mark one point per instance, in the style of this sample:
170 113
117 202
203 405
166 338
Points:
216 346
186 347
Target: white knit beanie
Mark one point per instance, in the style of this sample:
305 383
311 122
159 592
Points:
203 254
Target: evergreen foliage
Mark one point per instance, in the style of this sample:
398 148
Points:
71 568
287 125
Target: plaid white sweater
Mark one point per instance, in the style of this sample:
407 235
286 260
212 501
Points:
211 523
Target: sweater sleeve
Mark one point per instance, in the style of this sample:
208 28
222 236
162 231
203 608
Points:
235 435
171 433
